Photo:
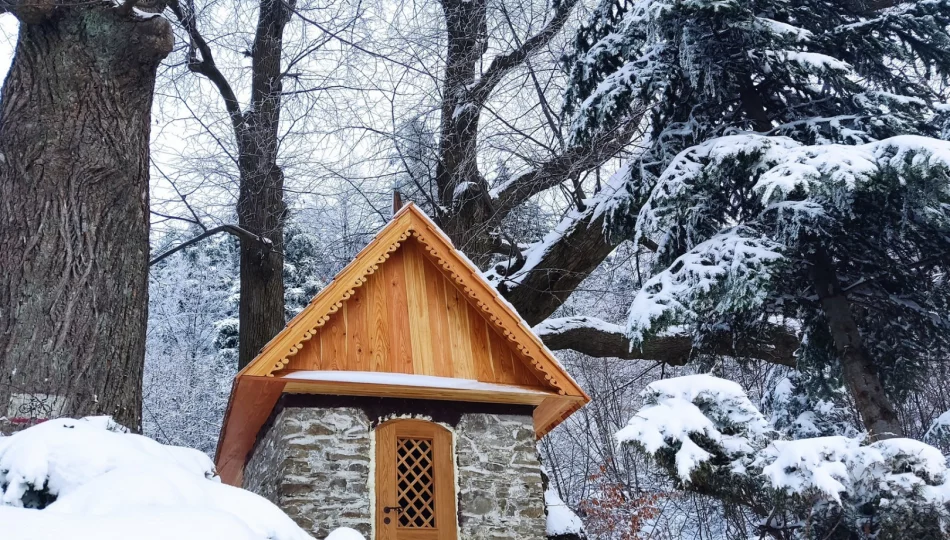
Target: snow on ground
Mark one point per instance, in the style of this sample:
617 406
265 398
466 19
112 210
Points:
345 533
90 479
561 519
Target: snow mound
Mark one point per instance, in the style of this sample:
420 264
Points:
345 533
561 519
60 455
91 479
162 524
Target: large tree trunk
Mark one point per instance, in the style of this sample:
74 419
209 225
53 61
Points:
462 188
261 208
74 133
857 369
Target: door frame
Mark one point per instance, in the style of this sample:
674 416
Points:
443 467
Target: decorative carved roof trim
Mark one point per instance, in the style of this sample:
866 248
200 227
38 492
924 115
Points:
335 306
410 221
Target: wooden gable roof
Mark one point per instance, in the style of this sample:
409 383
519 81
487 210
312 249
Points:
410 305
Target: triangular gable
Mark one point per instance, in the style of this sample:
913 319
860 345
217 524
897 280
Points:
413 231
491 356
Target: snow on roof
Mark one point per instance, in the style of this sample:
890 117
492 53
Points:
407 379
94 480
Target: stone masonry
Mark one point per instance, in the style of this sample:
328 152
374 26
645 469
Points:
315 464
500 493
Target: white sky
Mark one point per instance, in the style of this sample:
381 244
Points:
7 42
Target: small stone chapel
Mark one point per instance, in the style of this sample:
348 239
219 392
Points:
405 401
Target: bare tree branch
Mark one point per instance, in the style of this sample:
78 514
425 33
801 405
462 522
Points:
243 235
127 6
34 12
562 167
505 63
206 66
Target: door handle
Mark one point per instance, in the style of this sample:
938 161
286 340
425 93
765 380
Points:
387 509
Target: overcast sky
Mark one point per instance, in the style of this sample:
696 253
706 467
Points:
7 42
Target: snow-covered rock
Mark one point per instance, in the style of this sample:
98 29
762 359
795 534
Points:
60 455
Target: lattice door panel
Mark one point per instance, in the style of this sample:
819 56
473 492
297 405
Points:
415 483
415 495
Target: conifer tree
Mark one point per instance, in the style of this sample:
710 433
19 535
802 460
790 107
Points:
792 177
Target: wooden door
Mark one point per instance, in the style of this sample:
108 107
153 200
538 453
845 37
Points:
415 482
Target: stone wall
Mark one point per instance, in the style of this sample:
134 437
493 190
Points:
500 492
315 465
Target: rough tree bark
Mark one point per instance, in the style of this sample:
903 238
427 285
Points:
857 369
74 220
260 207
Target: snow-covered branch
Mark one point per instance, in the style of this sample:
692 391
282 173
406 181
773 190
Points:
600 339
555 266
710 438
570 163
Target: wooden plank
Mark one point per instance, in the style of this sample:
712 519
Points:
438 321
277 347
523 371
551 411
532 395
333 342
420 329
461 341
400 343
308 357
386 481
252 400
501 358
481 348
377 320
446 517
357 333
